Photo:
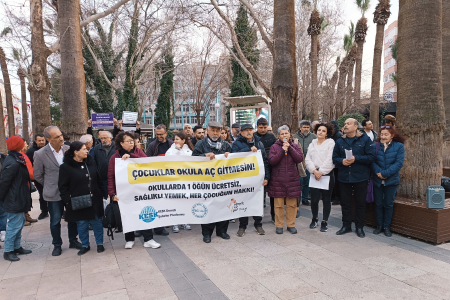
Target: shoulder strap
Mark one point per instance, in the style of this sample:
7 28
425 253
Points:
89 176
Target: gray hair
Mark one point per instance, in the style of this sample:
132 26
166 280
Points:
161 126
284 127
305 123
47 131
86 138
108 132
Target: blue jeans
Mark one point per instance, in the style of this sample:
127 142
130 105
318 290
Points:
83 231
3 218
305 186
56 210
105 189
384 203
14 231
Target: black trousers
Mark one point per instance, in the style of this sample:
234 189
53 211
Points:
336 189
221 227
42 203
326 198
272 207
243 222
147 234
360 191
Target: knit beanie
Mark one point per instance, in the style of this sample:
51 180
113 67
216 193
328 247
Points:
15 143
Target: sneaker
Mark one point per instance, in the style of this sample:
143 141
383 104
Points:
84 250
152 244
43 215
2 236
129 245
306 202
323 226
241 232
232 221
187 226
175 228
313 224
260 231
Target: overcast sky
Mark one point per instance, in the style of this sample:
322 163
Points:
352 14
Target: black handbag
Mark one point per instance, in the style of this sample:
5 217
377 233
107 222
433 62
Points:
84 201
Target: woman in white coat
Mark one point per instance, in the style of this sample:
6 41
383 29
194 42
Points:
319 162
181 146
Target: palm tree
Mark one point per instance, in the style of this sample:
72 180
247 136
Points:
420 106
381 16
360 39
446 77
314 31
340 94
350 48
9 101
22 74
3 148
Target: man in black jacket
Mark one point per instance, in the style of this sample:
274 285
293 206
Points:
102 154
210 147
247 142
39 142
267 139
199 134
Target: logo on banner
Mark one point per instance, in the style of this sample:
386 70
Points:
199 210
148 214
231 206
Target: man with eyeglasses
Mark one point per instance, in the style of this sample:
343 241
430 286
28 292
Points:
159 147
102 154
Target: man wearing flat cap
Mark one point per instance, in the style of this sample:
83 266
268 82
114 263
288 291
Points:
210 146
247 142
235 129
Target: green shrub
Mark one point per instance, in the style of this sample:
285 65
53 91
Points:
357 117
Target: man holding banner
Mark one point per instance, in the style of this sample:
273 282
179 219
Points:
209 147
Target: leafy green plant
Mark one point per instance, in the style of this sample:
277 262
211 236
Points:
357 117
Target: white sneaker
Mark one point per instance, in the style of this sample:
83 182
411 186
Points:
232 221
187 226
175 228
129 245
152 244
2 236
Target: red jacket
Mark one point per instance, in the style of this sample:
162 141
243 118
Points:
284 180
112 169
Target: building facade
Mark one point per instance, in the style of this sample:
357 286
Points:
390 64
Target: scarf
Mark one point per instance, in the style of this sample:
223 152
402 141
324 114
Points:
122 152
215 145
18 155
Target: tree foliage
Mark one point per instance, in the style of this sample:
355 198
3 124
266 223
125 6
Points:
164 104
357 117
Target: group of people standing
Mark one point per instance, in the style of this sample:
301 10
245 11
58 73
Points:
73 180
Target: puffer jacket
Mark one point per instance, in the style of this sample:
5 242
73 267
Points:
242 145
185 151
285 181
267 140
112 168
388 163
202 147
305 140
102 159
15 188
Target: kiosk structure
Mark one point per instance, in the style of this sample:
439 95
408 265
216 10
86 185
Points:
248 109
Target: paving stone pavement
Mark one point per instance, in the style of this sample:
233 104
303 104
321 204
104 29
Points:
309 265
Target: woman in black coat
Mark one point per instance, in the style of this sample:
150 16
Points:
74 181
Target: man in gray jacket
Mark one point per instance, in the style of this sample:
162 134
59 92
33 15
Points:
47 161
305 137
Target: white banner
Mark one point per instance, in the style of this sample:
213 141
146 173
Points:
170 190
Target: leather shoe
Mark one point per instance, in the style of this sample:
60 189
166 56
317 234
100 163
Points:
22 251
84 250
11 256
292 230
387 232
28 218
360 232
76 245
306 203
378 230
344 230
43 215
207 238
279 231
100 248
56 251
163 232
224 235
298 214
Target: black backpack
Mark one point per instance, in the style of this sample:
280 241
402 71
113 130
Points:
112 220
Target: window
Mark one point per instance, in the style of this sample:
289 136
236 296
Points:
185 119
178 120
389 64
194 120
185 108
387 52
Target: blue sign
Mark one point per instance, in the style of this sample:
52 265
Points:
148 214
103 120
199 210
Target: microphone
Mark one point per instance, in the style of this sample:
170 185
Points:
285 152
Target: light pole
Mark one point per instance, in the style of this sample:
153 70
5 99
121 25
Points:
217 106
153 107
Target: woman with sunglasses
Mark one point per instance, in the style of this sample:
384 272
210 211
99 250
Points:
389 157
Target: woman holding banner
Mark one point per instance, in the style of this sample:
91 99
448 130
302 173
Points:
284 185
182 146
125 149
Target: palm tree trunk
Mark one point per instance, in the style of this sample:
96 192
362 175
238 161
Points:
340 94
376 75
40 86
314 87
349 90
25 134
3 148
446 77
358 72
284 74
73 103
420 106
9 101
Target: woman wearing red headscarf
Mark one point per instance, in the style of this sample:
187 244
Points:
15 196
